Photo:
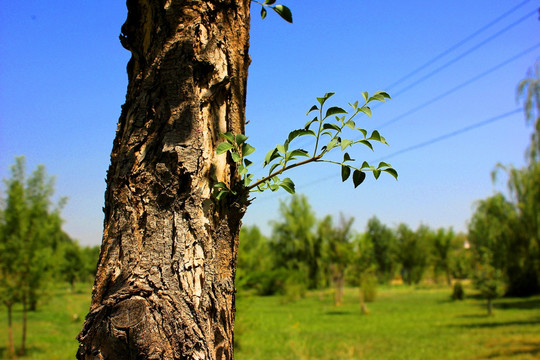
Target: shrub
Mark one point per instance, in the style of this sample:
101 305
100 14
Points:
458 293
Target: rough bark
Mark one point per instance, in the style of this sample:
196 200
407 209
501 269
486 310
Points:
164 288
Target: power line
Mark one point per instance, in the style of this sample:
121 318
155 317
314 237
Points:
452 134
420 145
459 57
460 86
457 45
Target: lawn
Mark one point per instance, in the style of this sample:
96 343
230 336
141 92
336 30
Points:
404 323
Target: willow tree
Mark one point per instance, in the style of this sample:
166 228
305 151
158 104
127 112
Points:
164 287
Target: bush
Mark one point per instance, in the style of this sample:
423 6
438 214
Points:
458 293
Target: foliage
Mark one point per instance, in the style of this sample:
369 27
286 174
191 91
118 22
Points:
281 10
413 252
29 231
330 127
488 280
529 90
385 249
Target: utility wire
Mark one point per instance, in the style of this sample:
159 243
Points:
420 145
460 86
452 134
457 45
457 58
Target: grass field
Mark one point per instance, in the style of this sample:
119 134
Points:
404 323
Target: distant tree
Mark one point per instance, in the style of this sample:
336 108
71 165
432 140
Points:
255 262
363 270
294 243
443 244
30 224
461 259
413 252
488 280
338 254
71 263
529 90
384 248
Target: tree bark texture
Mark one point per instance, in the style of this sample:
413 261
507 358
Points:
164 288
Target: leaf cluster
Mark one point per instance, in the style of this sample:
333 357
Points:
329 127
283 11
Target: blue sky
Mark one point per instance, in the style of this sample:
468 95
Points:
63 80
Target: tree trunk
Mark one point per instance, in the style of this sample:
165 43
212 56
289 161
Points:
22 350
164 287
9 306
489 306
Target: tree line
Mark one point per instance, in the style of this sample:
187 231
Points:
34 250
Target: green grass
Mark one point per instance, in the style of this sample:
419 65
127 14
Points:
53 327
404 323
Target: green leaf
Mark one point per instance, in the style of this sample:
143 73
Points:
221 194
288 185
365 95
269 2
308 124
354 106
314 107
328 126
365 165
366 110
350 124
298 152
345 172
392 172
263 13
375 136
284 12
282 148
240 138
235 156
323 99
383 94
270 156
383 164
299 132
363 131
247 149
376 173
242 170
273 167
377 97
367 143
248 179
224 147
247 162
228 136
334 110
221 185
345 143
347 157
273 187
332 144
358 177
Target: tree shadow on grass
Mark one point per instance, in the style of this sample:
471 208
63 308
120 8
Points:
494 324
523 304
516 349
337 312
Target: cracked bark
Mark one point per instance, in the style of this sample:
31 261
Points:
164 288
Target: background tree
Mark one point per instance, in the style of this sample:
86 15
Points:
30 223
384 249
529 90
363 270
413 252
338 248
443 245
294 244
488 280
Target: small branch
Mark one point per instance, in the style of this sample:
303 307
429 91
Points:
265 179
